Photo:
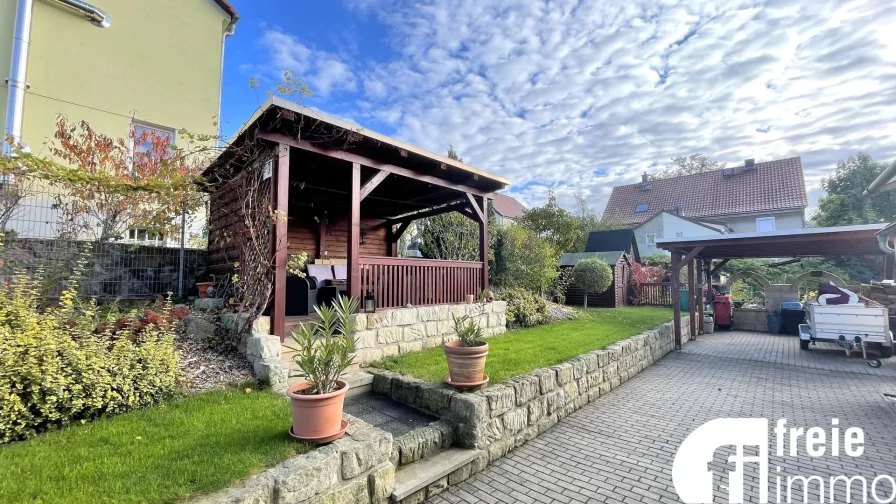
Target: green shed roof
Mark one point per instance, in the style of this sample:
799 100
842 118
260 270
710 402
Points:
571 258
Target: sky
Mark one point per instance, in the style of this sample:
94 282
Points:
577 97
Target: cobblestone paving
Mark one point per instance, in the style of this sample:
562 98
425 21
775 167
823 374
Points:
620 447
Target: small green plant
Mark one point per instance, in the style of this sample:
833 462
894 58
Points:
524 308
468 331
324 347
296 263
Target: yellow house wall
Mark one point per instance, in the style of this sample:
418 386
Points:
7 25
159 61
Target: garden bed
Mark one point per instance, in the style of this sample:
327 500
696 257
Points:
189 446
521 351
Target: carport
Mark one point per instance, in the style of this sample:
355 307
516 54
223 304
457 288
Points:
704 255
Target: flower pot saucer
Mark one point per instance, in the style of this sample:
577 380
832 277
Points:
467 385
325 439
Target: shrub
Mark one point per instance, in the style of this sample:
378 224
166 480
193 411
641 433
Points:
525 309
592 275
523 259
324 348
468 331
56 367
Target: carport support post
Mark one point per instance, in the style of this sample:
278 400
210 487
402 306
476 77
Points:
700 302
692 309
676 297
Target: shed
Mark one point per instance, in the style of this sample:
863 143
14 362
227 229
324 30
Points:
618 292
613 240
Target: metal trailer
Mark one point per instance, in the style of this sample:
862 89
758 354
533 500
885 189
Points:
855 327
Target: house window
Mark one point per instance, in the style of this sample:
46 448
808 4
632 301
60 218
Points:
142 235
143 137
641 208
765 224
650 239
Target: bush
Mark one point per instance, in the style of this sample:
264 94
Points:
58 366
592 275
525 309
524 260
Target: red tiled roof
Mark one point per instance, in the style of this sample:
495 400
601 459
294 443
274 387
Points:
508 206
775 185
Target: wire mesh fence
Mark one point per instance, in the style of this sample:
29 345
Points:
131 264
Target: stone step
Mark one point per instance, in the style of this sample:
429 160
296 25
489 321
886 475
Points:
359 382
420 474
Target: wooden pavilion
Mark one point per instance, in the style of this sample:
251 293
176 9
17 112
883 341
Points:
350 193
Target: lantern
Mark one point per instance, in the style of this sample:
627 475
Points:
369 303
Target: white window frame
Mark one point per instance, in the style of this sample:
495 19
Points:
134 236
764 220
148 125
650 239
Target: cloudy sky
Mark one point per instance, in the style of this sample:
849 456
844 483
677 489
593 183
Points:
580 96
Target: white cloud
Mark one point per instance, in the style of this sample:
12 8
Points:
323 71
548 93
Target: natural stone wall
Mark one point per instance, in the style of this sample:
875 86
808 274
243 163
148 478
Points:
399 331
354 469
501 417
421 443
750 319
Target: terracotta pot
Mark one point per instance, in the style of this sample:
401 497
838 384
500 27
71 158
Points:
203 288
470 298
466 365
316 416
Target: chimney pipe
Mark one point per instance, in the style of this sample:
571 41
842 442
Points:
645 182
749 164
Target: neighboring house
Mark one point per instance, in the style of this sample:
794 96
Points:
667 224
119 64
756 197
618 292
507 209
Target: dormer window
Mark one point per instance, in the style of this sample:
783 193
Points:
641 208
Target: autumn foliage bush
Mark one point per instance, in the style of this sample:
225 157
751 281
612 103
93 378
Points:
59 366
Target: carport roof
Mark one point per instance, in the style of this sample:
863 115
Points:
812 242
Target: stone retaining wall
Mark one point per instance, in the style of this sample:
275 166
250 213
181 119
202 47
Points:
399 331
750 319
354 469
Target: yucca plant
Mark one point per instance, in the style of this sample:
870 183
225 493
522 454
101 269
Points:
323 348
468 331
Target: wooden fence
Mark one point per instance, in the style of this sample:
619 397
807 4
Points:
655 294
397 281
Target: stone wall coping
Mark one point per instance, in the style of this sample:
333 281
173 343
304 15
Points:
355 468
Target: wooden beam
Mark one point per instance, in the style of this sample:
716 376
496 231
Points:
362 160
715 270
701 285
426 213
483 246
676 304
371 184
354 234
400 231
281 201
322 238
692 306
469 214
474 205
690 255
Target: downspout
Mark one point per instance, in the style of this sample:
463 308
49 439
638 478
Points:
881 179
18 66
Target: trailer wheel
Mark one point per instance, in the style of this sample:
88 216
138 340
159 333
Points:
886 352
875 363
804 344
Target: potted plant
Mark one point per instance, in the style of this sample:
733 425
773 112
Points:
323 350
466 356
470 298
205 286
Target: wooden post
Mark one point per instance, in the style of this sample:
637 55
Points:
692 309
483 244
280 186
700 302
354 234
889 261
676 303
322 238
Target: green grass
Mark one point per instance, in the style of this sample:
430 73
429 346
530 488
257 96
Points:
184 447
520 351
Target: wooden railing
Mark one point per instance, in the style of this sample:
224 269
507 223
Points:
655 294
397 281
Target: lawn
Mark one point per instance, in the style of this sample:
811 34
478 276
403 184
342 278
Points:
187 446
520 351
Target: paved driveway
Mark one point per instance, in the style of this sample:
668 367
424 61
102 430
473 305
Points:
620 447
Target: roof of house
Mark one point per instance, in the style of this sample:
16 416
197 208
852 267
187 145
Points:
224 4
719 227
769 186
612 240
609 257
508 206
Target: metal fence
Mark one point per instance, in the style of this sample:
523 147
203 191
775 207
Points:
133 266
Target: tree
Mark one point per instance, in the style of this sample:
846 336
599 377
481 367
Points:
523 259
592 275
843 203
689 165
588 221
553 223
